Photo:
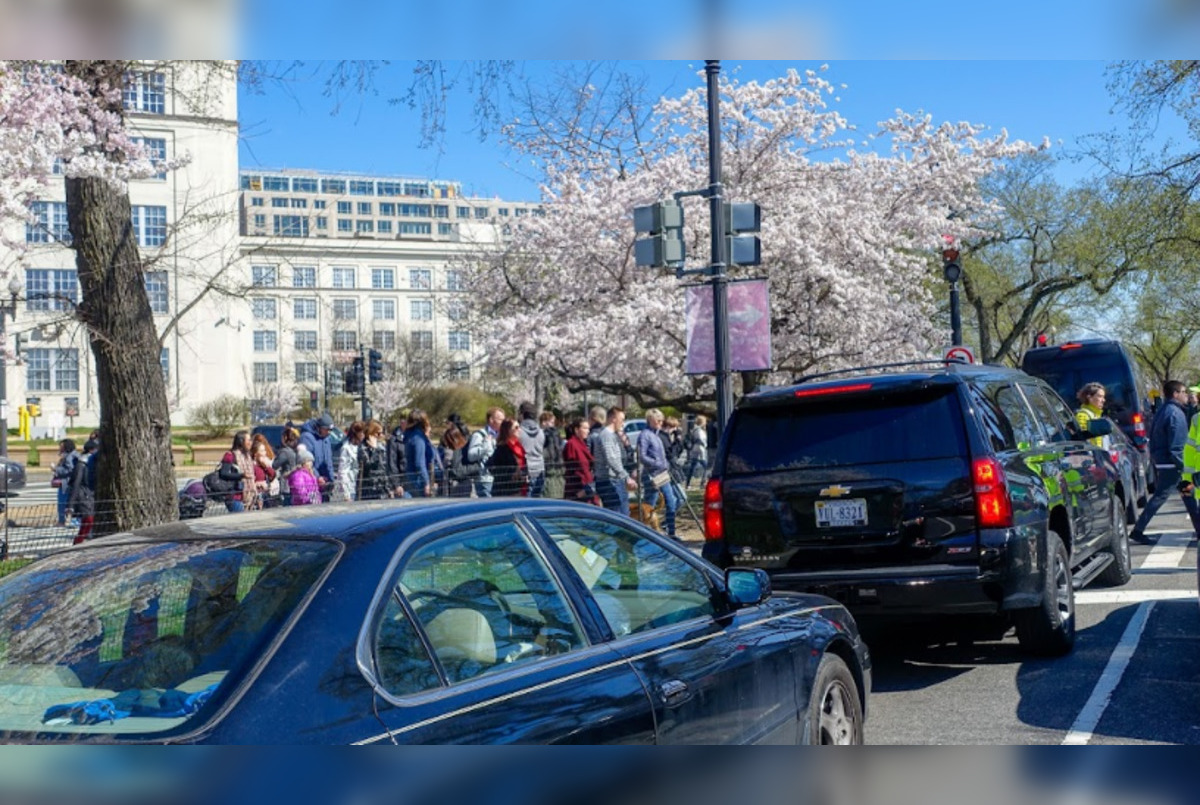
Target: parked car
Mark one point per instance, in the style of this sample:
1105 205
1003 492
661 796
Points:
418 622
1068 367
1132 471
12 475
956 489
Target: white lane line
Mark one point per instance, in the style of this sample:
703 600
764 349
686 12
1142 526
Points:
1169 551
1085 597
1089 718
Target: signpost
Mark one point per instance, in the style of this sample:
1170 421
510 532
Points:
960 354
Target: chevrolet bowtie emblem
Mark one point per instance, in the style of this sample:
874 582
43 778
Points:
835 491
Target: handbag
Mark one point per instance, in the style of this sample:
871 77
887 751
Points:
56 483
229 472
273 488
660 479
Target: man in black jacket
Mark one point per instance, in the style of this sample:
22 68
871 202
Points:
396 466
1168 435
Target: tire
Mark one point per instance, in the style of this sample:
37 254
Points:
834 709
1048 630
1120 571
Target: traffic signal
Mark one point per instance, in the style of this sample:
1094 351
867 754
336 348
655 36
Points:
314 399
35 410
663 222
353 378
741 221
1041 340
375 366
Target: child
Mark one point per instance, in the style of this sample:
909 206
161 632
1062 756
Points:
303 480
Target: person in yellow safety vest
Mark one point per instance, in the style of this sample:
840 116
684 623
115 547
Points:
1191 466
1092 397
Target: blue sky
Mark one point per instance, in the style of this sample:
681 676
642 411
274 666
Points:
294 124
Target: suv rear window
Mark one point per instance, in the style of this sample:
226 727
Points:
1068 374
879 428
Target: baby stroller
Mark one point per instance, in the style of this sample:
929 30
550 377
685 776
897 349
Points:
193 499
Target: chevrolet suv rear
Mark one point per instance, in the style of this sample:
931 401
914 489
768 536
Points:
955 489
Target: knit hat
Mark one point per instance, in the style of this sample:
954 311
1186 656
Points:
303 455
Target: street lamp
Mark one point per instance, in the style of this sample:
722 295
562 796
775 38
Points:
14 288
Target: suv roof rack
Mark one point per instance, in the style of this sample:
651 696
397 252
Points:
942 362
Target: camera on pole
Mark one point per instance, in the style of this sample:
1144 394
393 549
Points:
663 223
742 219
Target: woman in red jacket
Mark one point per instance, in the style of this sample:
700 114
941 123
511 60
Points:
577 459
507 464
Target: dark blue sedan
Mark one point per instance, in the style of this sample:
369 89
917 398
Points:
418 622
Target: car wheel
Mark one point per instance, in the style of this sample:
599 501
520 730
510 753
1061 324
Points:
834 709
1048 630
1121 570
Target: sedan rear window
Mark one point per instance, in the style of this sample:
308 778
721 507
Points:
140 638
834 431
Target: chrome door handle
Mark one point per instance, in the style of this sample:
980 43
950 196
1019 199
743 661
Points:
674 692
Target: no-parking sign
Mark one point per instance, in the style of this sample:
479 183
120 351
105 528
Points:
960 354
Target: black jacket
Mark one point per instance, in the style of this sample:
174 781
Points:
396 465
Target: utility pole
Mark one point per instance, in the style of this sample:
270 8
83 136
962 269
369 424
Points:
720 281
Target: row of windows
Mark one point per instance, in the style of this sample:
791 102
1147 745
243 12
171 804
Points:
307 340
55 369
296 226
310 371
355 187
58 289
266 308
382 278
49 224
388 208
145 92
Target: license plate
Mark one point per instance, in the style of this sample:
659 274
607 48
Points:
841 513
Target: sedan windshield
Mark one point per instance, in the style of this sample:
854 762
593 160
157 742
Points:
140 637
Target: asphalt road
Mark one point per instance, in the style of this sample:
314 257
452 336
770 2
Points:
1132 678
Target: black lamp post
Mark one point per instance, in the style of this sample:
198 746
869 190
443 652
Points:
14 288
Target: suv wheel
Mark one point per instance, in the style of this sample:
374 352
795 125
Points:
1048 630
1121 570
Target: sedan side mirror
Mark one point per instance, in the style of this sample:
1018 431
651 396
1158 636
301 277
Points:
746 586
1099 427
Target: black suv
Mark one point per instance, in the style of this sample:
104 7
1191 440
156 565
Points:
952 489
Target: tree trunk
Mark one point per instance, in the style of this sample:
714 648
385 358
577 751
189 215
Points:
135 479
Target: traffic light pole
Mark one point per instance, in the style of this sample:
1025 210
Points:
720 280
362 358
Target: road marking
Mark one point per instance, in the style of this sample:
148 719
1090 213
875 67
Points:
1089 718
1086 597
1169 552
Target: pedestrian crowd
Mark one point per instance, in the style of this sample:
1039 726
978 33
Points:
592 460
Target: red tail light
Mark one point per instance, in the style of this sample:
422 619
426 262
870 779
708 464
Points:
1071 346
1139 425
714 515
832 390
993 508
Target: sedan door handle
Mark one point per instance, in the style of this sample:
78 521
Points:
674 693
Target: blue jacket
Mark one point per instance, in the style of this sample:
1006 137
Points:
1168 435
418 455
320 448
654 455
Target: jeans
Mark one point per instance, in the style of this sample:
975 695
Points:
695 469
63 497
613 495
1165 485
234 506
483 489
537 483
671 502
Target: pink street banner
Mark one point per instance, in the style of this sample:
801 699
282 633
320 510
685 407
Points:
749 327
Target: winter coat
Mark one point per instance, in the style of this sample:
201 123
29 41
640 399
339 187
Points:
242 460
83 495
304 488
347 471
577 461
509 473
397 468
419 456
284 463
373 479
552 453
321 449
533 442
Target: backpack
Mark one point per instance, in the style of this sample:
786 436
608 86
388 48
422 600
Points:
223 481
467 470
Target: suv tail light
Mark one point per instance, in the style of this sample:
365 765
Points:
714 515
1139 431
993 508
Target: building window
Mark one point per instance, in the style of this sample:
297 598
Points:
306 340
345 225
279 202
361 188
345 340
387 208
503 212
266 340
420 190
257 201
277 184
318 203
299 204
260 221
344 207
343 277
481 213
384 340
51 288
416 210
384 227
164 361
422 339
459 340
383 309
49 224
322 222
388 188
306 372
251 182
463 212
304 277
145 92
456 310
422 370
364 208
445 229
150 224
333 186
364 226
263 308
157 291
456 279
383 279
291 226
156 152
420 278
416 229
520 212
441 211
459 371
421 310
264 276
266 372
345 309
52 369
305 309
304 185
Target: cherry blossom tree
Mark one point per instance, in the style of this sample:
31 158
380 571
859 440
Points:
851 225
